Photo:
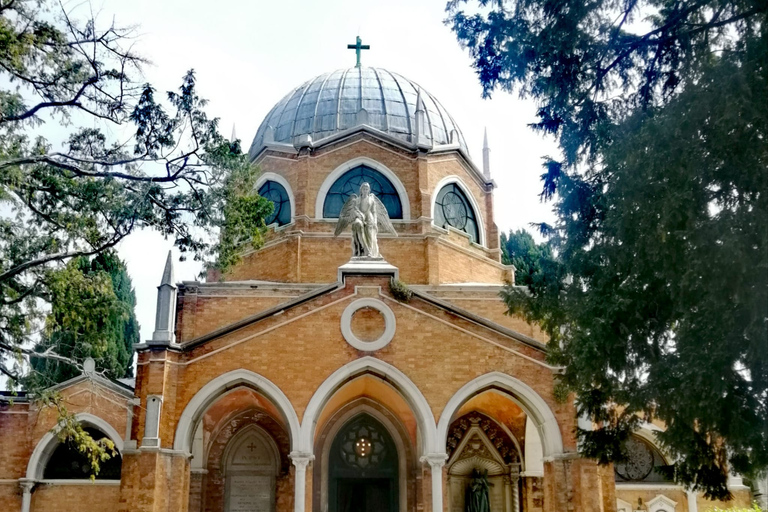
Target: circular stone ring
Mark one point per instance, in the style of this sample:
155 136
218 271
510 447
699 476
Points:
389 324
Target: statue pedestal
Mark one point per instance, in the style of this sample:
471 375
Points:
367 267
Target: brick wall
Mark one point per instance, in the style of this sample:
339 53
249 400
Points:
68 498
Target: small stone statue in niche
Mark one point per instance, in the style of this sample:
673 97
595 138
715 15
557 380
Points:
367 215
477 498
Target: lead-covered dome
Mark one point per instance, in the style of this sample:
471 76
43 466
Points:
344 99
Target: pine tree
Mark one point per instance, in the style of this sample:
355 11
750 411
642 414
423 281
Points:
83 323
518 248
657 299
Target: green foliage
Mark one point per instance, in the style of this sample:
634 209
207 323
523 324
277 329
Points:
521 250
123 159
657 296
169 169
400 290
754 508
92 315
72 431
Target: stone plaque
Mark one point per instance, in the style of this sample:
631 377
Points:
250 493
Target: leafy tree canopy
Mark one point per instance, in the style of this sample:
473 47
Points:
125 161
521 250
88 154
656 302
92 315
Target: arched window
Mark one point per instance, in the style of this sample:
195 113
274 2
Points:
276 193
68 463
643 464
452 208
349 183
363 467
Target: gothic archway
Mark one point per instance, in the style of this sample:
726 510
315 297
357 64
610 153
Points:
251 463
477 443
363 470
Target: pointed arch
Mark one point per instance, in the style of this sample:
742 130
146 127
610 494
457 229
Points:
199 403
530 401
368 162
240 437
389 421
50 441
368 364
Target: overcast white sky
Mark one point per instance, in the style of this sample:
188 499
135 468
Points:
249 54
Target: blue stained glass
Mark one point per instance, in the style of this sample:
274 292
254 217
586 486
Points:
276 193
349 183
452 208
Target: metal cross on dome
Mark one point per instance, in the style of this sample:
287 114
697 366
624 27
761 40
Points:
358 46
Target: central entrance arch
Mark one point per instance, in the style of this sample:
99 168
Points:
363 468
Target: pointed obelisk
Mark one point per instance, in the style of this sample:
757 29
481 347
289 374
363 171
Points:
420 120
165 317
486 156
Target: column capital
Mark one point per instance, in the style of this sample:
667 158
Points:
301 459
435 460
26 484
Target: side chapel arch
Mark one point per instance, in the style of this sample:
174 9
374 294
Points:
50 441
485 445
532 404
250 461
376 166
212 390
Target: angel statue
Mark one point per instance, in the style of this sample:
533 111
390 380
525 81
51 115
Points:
367 215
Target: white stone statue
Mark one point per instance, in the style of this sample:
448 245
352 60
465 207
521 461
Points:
367 215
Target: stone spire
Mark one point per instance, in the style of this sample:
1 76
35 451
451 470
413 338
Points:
234 134
165 317
486 156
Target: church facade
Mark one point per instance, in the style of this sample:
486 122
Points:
303 381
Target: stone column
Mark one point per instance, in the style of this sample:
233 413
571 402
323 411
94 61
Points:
693 505
436 462
514 484
508 506
301 461
26 496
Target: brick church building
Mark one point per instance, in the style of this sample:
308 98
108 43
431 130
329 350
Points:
304 382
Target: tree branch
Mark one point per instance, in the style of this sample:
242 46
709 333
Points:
58 257
52 104
79 171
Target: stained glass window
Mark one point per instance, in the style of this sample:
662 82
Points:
452 208
363 468
276 193
68 463
349 183
363 444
